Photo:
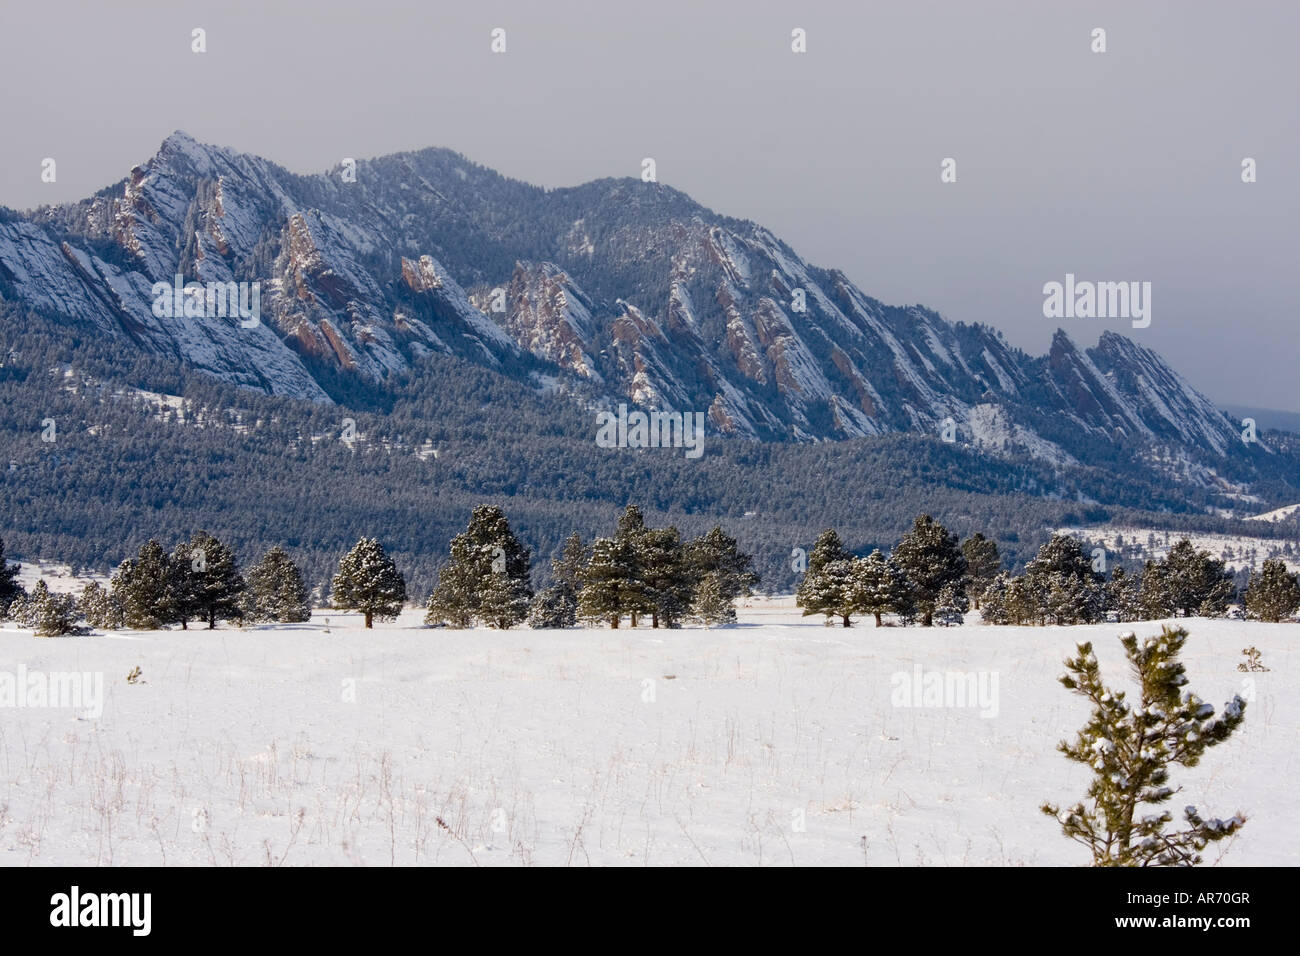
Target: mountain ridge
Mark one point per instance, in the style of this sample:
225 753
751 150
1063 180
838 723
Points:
612 290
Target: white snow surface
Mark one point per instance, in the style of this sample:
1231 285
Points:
1278 514
306 745
59 578
991 428
1237 552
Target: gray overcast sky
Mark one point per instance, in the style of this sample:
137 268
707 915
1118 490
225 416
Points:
1116 166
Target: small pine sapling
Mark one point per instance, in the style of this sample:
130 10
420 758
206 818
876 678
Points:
1130 751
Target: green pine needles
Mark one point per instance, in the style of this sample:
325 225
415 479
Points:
1130 750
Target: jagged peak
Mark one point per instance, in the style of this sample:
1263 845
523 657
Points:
182 152
179 137
1062 343
182 142
1114 342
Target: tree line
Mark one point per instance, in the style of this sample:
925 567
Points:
640 572
198 580
932 578
637 572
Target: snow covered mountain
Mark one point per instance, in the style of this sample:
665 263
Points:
615 290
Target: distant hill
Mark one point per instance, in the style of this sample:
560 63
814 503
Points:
1266 417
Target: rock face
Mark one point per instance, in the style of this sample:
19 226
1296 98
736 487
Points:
618 289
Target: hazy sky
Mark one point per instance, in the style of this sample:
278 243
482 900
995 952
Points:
1117 166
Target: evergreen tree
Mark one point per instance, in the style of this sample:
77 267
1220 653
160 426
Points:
1026 600
994 600
606 590
557 605
1061 582
1273 594
639 571
832 591
880 587
1198 583
504 599
711 604
508 591
553 607
99 608
951 607
817 593
22 610
276 590
628 535
1155 597
1071 599
982 563
143 588
826 587
205 581
630 523
455 601
931 558
1058 585
906 609
666 583
826 549
1122 596
566 568
717 554
1060 591
1062 555
183 586
488 578
368 581
1130 751
51 614
10 589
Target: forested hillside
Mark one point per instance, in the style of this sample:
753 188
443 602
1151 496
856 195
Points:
126 463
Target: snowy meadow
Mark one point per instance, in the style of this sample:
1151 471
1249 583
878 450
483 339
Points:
775 742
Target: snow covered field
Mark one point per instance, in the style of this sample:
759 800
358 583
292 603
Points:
775 742
1140 544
